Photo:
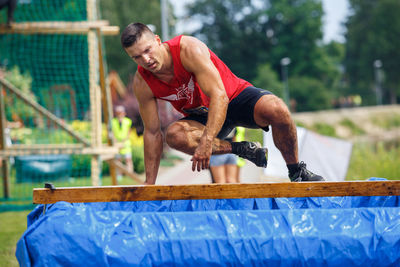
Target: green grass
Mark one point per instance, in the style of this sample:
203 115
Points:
12 226
355 130
324 129
300 124
386 122
377 160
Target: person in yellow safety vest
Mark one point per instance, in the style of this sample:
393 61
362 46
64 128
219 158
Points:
121 128
239 137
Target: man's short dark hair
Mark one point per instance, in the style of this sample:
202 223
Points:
132 33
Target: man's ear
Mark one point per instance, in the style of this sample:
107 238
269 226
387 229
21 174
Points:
158 39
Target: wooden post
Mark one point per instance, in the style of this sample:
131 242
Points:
3 146
106 103
94 90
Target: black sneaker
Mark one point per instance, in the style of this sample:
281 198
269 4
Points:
252 151
304 175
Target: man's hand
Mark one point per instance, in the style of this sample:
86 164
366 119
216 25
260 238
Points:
202 154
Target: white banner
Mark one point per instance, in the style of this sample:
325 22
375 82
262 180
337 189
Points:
326 156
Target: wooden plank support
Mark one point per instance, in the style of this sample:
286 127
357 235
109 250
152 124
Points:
24 150
121 167
60 27
107 106
215 191
94 93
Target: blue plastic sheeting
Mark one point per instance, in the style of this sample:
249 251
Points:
329 231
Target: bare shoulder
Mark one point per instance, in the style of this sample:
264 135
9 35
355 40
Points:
138 79
141 88
193 52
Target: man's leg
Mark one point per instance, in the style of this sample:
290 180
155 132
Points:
184 135
271 110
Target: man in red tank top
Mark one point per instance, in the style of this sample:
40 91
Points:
213 100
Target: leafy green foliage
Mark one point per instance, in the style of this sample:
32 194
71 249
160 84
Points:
138 159
372 34
268 79
252 37
296 28
234 30
310 94
15 109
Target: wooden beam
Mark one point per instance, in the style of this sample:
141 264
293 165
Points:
42 110
215 191
106 104
121 167
24 150
60 27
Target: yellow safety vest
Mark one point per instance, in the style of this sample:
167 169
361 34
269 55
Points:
240 132
121 133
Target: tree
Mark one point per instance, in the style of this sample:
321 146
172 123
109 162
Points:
268 79
373 32
309 94
233 30
247 35
294 28
335 54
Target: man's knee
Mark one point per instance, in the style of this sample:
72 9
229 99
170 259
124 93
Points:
271 109
175 135
280 108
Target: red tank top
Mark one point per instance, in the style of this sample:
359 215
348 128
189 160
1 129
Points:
183 91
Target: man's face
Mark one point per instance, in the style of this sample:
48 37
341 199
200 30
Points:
146 52
120 114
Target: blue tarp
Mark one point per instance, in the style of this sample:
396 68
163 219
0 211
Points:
325 231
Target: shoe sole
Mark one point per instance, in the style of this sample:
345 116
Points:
299 180
262 157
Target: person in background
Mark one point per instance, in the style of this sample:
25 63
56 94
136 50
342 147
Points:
223 168
239 137
121 128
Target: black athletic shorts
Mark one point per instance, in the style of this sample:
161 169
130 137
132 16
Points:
240 111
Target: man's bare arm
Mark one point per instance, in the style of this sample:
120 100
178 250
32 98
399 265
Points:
195 58
152 136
